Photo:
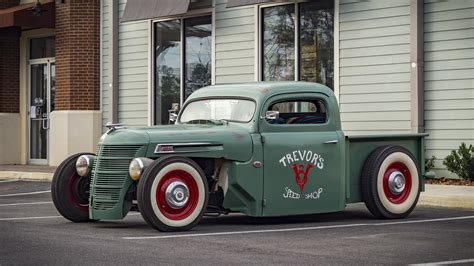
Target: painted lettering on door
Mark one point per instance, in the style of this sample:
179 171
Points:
304 165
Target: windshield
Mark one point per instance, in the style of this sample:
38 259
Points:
236 110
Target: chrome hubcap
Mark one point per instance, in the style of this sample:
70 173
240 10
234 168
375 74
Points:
396 182
177 194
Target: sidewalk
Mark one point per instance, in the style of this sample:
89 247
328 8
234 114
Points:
434 195
447 196
27 172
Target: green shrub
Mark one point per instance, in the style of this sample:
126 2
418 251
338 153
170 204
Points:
430 163
461 162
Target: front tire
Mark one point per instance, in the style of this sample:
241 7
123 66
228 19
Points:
173 194
70 192
390 182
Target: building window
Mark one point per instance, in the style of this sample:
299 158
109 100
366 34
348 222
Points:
42 47
298 42
182 61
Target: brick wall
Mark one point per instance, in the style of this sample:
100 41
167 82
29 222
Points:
9 70
78 55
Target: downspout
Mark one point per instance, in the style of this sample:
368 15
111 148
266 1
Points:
113 61
416 67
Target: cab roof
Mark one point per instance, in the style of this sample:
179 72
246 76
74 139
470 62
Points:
260 90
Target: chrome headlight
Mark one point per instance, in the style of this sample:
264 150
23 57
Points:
84 164
137 166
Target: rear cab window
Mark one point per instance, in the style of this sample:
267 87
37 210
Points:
299 112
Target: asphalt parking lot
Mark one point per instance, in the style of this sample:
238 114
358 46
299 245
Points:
32 232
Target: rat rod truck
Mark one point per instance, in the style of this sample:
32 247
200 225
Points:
262 149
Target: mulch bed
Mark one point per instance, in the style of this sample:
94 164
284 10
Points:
445 181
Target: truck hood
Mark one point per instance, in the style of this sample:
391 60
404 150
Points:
230 141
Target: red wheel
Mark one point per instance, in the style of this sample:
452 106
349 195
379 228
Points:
390 182
397 183
70 192
78 191
177 195
172 194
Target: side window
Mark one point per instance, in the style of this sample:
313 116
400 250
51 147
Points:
298 112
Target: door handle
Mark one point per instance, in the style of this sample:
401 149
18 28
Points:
45 123
335 141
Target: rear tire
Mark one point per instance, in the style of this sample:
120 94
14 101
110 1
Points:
70 192
172 194
390 182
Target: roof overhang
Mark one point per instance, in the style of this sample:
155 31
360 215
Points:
23 16
149 9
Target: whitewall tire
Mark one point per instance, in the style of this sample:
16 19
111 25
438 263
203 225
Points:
390 182
172 194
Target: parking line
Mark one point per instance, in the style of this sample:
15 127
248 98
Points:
295 229
29 218
46 217
26 203
8 181
446 262
27 193
427 220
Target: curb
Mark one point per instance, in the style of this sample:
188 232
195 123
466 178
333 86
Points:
447 196
31 176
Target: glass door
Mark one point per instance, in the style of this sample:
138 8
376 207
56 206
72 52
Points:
41 104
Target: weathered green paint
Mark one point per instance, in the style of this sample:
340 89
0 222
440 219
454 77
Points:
331 162
358 149
304 142
123 203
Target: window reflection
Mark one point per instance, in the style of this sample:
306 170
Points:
198 54
317 42
279 43
183 61
167 45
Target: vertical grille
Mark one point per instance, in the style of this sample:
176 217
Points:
110 172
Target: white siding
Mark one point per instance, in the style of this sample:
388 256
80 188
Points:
235 43
132 68
132 71
449 77
375 66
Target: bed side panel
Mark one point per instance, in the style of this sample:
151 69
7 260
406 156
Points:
358 149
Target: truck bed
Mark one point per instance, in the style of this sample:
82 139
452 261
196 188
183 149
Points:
358 149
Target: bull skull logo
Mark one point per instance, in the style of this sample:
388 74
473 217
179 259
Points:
301 174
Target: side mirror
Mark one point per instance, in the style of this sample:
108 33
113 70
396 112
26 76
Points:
272 115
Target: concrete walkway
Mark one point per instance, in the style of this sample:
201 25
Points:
448 196
27 172
434 195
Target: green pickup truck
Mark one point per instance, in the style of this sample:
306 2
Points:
262 149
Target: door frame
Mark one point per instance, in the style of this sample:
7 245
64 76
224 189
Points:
322 130
48 61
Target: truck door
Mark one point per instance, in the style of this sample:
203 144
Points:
303 162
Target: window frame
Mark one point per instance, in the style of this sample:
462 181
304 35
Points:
222 98
152 54
259 53
303 96
296 114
